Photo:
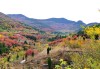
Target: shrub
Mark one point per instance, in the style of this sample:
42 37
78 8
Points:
3 48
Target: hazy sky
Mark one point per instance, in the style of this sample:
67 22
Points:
86 10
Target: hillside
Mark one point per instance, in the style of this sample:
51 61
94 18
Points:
16 40
7 23
51 24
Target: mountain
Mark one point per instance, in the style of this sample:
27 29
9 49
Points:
8 24
51 24
91 24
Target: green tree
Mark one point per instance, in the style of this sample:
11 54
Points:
49 62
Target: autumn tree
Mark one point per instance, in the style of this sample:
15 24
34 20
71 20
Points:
93 31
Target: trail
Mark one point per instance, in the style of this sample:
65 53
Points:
43 54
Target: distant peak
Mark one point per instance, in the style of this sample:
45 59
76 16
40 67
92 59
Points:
79 21
57 18
16 14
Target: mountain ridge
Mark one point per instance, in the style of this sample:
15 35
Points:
51 24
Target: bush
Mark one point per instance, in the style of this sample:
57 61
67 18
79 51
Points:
3 48
31 37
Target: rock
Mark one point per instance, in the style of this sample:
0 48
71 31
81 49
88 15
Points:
23 61
45 64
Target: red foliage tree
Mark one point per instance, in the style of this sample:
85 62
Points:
9 42
29 52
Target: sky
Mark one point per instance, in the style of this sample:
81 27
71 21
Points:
85 10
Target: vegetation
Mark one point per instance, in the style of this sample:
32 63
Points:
93 31
56 37
3 48
49 62
31 37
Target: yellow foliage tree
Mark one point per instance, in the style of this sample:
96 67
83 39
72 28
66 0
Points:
92 31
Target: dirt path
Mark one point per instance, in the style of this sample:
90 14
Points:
43 54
